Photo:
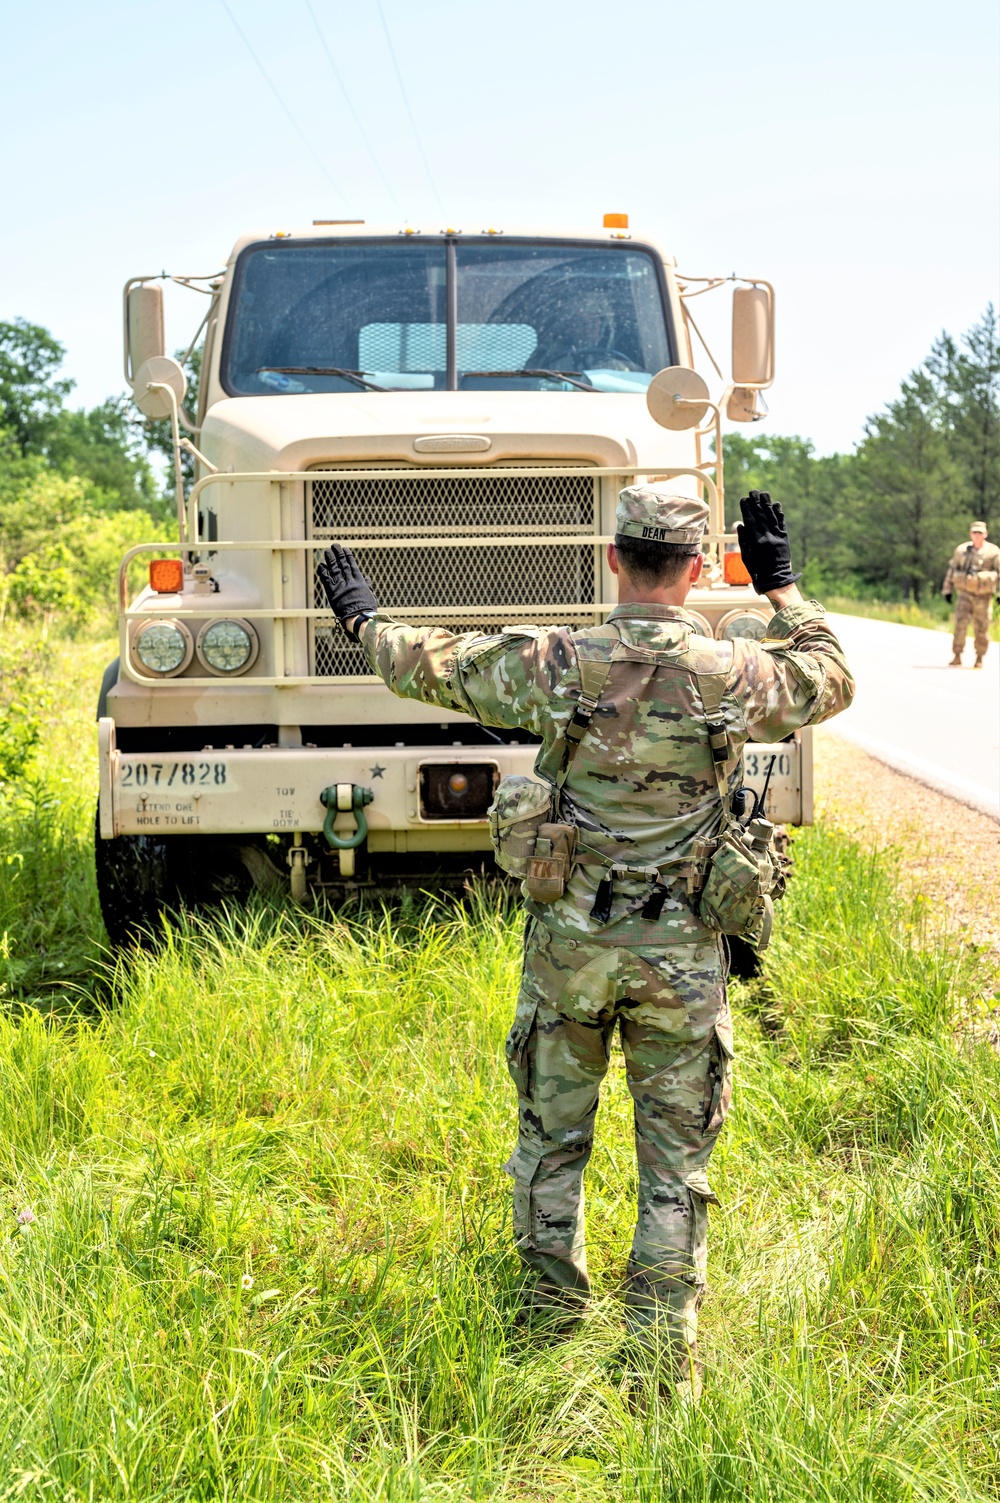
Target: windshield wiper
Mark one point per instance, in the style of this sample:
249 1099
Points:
573 377
324 370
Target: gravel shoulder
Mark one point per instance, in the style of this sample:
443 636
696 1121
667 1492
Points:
950 854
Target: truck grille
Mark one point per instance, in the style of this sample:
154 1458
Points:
554 583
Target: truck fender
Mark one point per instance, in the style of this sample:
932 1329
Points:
107 682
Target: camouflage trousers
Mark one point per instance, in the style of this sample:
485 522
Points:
977 609
671 1009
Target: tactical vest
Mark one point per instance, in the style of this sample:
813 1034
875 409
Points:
540 832
977 570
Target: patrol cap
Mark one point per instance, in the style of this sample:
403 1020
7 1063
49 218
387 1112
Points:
657 515
973 526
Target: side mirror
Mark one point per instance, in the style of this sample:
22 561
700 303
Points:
144 338
165 372
742 405
677 398
753 336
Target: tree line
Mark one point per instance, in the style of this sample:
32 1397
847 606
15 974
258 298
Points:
882 521
77 486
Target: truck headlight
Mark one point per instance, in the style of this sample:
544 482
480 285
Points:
227 646
701 623
163 647
742 624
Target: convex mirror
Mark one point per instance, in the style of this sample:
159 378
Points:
164 372
742 406
677 398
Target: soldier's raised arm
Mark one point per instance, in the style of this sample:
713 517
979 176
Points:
797 675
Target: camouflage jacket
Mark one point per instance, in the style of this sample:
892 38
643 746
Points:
641 788
974 571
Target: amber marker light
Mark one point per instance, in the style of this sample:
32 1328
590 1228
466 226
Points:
616 221
166 575
734 570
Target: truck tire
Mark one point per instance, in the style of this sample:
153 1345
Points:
133 886
141 878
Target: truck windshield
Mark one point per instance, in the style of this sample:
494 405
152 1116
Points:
411 315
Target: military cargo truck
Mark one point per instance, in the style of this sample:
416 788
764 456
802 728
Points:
461 406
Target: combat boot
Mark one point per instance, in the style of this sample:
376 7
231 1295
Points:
682 1390
956 661
549 1311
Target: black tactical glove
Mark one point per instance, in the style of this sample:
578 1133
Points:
764 543
347 589
947 596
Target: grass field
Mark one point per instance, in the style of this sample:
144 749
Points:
935 614
255 1232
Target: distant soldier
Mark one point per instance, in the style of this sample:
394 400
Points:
974 576
641 722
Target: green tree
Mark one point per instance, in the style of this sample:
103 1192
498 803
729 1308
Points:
967 376
815 494
107 446
32 394
910 493
37 505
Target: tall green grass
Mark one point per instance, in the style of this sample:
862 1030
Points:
265 1246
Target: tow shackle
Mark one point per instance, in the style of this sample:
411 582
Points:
341 798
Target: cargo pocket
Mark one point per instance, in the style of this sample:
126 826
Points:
702 1196
519 1045
522 1167
720 1077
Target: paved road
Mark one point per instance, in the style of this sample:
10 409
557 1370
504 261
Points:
937 724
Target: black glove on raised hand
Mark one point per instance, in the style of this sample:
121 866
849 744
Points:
347 589
764 543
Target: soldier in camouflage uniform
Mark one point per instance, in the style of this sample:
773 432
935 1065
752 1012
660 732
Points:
625 946
974 576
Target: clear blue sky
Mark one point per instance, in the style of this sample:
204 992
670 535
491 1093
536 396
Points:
848 153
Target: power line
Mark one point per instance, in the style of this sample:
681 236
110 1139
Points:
295 124
347 100
402 90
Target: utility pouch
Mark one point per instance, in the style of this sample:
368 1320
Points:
744 878
528 839
551 864
744 873
520 807
983 583
527 842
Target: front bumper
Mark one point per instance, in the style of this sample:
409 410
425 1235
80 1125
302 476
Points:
276 789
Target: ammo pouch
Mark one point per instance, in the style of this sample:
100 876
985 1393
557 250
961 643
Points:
744 878
983 583
744 874
527 841
527 837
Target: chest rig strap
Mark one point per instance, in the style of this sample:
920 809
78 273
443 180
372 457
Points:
593 677
594 673
713 688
